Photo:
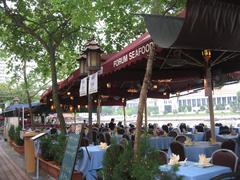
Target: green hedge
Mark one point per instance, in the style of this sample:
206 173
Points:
17 138
11 132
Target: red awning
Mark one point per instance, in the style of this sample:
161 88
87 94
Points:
135 51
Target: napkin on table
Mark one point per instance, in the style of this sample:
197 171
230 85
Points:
174 159
203 160
103 145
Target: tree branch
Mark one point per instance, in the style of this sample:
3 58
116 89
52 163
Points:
19 22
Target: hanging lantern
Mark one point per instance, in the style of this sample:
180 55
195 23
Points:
206 54
93 53
83 64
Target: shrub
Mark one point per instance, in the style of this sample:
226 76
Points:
17 138
59 148
120 164
11 132
53 147
46 148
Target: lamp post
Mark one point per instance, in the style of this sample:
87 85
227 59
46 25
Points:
208 90
93 59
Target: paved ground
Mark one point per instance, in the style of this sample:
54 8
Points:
12 166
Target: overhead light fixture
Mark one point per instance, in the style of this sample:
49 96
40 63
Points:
164 80
109 85
50 100
132 90
164 93
71 108
177 93
123 100
71 97
104 97
155 86
206 54
68 93
78 106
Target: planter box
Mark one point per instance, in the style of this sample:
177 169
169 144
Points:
54 170
17 148
10 142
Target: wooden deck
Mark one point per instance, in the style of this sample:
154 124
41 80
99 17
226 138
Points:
9 170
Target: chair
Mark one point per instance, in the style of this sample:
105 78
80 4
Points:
227 176
225 157
224 130
199 128
94 137
178 149
101 137
208 135
182 127
172 134
84 142
165 128
229 144
107 138
181 138
160 155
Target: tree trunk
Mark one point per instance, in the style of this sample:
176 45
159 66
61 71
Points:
28 94
142 100
52 58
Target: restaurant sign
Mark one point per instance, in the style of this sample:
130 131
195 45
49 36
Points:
142 50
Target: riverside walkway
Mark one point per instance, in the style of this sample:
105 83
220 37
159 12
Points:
9 170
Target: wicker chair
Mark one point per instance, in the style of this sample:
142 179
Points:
225 157
207 135
224 130
101 137
165 128
107 138
95 137
84 142
181 138
172 134
178 149
229 144
227 176
199 128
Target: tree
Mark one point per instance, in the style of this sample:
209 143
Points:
51 25
147 77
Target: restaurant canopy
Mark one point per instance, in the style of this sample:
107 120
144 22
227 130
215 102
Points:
15 109
176 68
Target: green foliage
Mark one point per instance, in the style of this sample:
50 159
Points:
119 163
220 107
152 110
59 148
11 132
131 111
17 138
47 151
53 147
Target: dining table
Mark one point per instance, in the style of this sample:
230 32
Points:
194 171
193 151
160 142
198 136
90 160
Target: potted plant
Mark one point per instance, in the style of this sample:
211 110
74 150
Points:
11 134
52 152
18 144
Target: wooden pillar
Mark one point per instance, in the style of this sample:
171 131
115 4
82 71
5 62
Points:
124 116
98 111
208 92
